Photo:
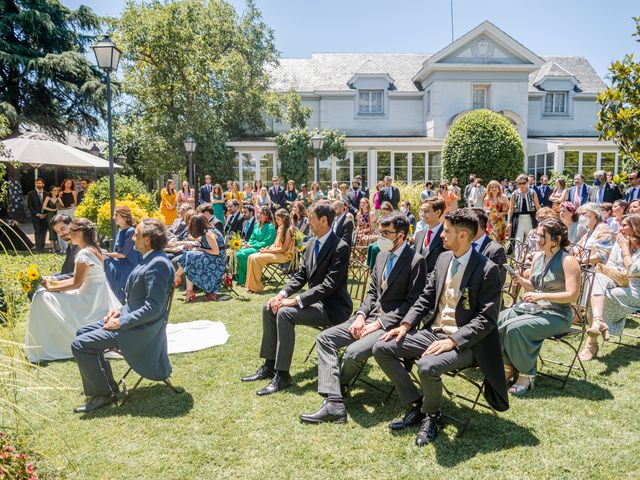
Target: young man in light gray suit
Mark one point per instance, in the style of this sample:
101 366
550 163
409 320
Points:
398 278
137 329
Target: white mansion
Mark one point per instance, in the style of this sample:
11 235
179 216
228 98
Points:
395 109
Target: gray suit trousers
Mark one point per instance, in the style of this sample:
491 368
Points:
279 335
88 349
430 367
330 374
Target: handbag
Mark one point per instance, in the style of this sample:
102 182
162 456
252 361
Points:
620 278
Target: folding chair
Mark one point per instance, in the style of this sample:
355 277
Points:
578 330
279 273
121 383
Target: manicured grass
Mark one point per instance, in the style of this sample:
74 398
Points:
220 429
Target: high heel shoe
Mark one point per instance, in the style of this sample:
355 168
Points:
598 327
519 390
590 350
211 297
189 296
178 282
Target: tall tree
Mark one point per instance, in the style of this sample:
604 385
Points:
619 115
191 67
45 77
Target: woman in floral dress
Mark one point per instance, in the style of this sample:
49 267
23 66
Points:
497 207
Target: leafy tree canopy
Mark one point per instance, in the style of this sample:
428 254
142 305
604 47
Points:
45 77
191 67
482 143
619 115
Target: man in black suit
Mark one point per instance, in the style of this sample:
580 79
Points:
389 193
398 278
602 191
207 210
460 307
484 245
205 191
248 222
276 193
633 192
365 191
428 242
355 195
35 202
84 185
343 223
60 224
234 218
544 192
326 302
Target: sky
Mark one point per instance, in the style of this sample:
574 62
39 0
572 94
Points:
596 29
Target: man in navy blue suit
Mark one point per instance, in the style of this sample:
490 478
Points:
205 191
138 329
544 192
579 193
633 192
276 193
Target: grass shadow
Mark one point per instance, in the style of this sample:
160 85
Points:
153 401
546 387
618 357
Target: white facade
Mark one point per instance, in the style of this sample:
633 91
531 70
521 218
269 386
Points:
396 109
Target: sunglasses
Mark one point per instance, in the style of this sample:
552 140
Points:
522 183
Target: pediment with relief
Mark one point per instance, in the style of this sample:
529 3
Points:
483 50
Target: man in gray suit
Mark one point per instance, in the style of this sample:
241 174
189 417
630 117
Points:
460 309
137 329
326 301
398 278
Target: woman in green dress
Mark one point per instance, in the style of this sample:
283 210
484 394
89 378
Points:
554 285
217 202
264 235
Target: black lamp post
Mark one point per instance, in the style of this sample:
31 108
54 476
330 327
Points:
190 146
107 58
317 141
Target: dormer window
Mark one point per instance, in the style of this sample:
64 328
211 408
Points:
480 96
371 102
555 103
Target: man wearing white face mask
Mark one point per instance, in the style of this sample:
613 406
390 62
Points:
405 207
398 278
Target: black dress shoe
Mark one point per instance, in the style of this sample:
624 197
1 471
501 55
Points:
95 403
344 390
262 373
428 430
329 412
412 417
278 383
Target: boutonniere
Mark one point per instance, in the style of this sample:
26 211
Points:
465 299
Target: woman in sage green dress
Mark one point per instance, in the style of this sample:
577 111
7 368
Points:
264 235
554 280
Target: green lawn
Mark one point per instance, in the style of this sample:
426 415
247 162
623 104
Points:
219 428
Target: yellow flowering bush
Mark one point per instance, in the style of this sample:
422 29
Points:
140 208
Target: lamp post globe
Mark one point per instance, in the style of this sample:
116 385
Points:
108 57
317 141
190 146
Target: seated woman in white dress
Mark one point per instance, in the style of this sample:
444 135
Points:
61 307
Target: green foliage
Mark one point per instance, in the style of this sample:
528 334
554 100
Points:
619 115
568 178
191 67
47 78
98 194
295 149
483 143
410 191
4 132
289 107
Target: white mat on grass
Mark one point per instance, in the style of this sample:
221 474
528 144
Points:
192 336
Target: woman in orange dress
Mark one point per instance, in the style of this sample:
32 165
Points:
497 207
168 202
449 197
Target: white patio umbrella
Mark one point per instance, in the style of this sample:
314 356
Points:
40 152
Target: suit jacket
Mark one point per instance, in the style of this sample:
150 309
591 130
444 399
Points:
496 253
344 230
326 278
142 335
205 194
628 194
435 248
277 196
69 265
34 204
390 301
610 195
383 196
477 324
584 197
81 195
543 198
234 223
354 200
217 224
247 228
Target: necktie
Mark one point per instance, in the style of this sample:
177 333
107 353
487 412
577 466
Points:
316 249
600 194
389 265
475 246
427 238
576 197
455 265
634 193
40 196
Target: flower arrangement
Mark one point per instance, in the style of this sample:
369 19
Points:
14 464
298 238
30 279
235 241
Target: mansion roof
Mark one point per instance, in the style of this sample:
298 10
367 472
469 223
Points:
333 71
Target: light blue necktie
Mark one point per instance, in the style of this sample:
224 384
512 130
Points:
390 262
454 267
600 194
